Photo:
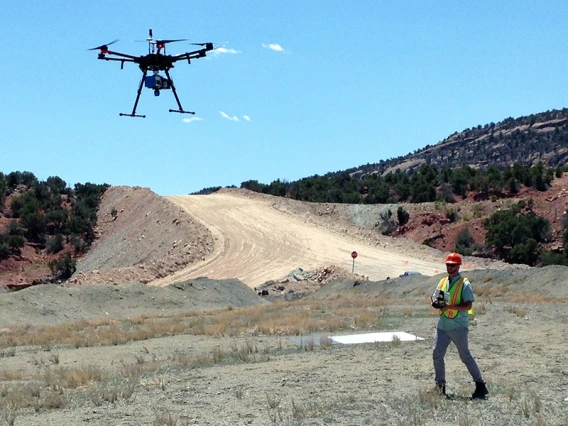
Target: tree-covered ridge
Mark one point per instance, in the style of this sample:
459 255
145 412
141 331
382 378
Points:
426 184
491 161
48 214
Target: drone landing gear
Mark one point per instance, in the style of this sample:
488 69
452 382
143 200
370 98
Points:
122 114
133 113
180 110
163 84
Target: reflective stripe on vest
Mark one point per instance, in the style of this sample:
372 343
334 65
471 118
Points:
455 295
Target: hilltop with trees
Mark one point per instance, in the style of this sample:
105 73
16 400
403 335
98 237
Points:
48 220
515 158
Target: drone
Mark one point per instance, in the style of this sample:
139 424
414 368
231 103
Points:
155 61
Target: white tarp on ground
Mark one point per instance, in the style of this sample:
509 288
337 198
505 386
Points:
374 337
356 338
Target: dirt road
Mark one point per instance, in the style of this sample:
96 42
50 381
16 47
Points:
256 243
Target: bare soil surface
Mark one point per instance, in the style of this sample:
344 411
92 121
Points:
518 340
240 240
261 238
147 238
244 235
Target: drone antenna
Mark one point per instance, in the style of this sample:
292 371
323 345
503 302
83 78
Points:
150 41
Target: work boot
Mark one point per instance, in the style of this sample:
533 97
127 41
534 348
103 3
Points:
480 392
440 388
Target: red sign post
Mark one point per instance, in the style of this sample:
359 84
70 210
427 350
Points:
353 255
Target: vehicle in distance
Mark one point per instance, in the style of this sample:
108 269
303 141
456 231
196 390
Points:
407 273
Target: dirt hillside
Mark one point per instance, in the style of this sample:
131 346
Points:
243 235
148 237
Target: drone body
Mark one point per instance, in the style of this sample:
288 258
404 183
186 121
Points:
155 61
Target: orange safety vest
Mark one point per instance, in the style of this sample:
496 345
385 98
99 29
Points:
455 295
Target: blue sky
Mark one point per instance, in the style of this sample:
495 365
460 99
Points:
301 87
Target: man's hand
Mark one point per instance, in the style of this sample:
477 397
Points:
466 306
437 304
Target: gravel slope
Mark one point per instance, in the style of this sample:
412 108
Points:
147 238
243 235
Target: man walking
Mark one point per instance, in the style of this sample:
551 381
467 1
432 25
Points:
454 298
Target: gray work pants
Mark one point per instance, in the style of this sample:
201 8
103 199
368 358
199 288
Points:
441 343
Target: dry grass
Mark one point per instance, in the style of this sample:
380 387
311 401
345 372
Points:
32 395
164 418
285 318
518 311
504 293
480 308
72 378
8 352
431 398
56 386
109 391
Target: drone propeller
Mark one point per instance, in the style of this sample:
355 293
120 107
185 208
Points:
208 45
103 46
162 42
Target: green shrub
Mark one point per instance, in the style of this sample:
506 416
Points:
16 242
78 243
402 216
452 215
464 238
54 244
64 266
551 258
463 250
516 233
15 228
4 250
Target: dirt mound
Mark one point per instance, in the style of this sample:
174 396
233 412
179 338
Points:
54 304
142 237
531 285
240 234
300 282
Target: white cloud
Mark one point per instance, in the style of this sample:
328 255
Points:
273 46
221 50
246 117
189 120
228 117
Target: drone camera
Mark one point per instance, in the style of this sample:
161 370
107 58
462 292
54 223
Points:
157 82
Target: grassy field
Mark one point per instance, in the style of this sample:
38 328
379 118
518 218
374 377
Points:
238 366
